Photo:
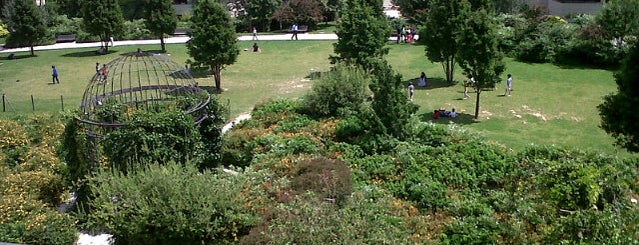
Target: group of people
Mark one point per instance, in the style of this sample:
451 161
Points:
102 72
406 34
469 83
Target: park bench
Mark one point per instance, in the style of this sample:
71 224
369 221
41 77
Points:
182 32
65 38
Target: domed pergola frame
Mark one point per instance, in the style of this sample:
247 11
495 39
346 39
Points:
139 81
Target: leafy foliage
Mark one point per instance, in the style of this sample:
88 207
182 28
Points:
26 24
362 33
213 42
338 92
160 18
300 12
173 204
102 18
261 11
617 111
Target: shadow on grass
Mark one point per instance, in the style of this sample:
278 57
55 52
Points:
461 119
432 83
211 89
88 53
17 57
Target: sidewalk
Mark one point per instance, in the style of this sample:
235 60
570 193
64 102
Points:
303 36
282 37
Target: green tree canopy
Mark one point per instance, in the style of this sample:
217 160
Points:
413 10
160 18
214 41
479 54
362 33
619 19
102 18
620 112
301 12
26 24
442 27
261 11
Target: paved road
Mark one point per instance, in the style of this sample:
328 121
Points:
303 36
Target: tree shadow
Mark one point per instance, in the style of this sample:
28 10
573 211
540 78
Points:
200 72
431 83
18 56
461 119
211 89
88 53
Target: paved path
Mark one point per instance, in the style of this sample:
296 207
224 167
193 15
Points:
303 36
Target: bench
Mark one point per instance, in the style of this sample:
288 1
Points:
300 29
65 38
182 32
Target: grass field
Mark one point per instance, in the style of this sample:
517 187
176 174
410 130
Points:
550 104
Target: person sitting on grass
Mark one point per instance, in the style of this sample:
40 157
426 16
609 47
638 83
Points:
256 48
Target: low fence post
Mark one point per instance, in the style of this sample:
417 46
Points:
4 108
62 102
32 103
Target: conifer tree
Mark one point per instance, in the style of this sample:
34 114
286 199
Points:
160 19
102 18
26 24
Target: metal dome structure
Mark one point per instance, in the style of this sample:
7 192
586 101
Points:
139 81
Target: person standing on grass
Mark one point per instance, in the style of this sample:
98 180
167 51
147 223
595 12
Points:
97 67
254 34
411 90
54 75
509 85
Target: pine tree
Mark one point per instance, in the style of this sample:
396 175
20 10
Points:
26 24
160 19
214 41
102 18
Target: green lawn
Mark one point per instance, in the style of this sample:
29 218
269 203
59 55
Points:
550 104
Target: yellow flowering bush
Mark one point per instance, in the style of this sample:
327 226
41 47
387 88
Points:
43 185
12 135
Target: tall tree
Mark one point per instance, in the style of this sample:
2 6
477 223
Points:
620 112
160 19
413 10
479 54
214 41
362 33
442 27
261 11
102 18
26 24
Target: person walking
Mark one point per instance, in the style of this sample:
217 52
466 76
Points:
254 34
411 90
294 30
54 75
509 85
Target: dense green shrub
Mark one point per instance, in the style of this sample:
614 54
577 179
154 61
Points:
338 92
271 111
545 42
153 137
609 226
29 221
330 179
238 145
482 229
135 30
174 203
293 124
363 219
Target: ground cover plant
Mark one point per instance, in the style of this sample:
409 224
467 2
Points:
550 104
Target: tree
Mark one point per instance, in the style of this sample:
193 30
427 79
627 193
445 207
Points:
620 19
307 12
390 100
160 19
26 24
213 42
443 25
362 33
619 112
413 10
261 11
479 54
103 19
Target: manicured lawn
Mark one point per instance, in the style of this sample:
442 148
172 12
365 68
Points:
550 104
